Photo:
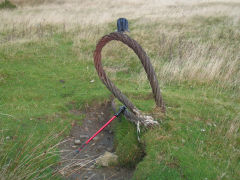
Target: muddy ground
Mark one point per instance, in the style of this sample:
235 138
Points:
82 165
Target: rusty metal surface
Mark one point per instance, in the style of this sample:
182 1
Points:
134 114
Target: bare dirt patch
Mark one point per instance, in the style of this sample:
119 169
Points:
83 165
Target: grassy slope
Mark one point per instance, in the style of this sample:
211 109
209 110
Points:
198 137
34 103
193 141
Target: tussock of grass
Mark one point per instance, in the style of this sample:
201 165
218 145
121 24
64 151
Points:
28 157
127 146
6 4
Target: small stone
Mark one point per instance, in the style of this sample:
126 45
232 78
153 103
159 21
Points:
107 159
84 136
90 177
110 149
209 124
99 149
92 81
8 138
86 155
77 142
96 138
89 121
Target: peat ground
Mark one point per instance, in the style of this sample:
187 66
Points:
83 165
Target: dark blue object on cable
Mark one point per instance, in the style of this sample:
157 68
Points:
122 25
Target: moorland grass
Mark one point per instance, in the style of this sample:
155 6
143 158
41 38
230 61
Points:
40 83
47 70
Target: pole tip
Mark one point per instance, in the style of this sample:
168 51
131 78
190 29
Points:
121 110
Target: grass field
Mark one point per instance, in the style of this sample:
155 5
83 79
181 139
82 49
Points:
46 70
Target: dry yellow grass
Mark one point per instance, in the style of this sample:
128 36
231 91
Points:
79 12
159 24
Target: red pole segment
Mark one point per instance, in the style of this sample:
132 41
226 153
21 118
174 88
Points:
122 109
79 149
100 129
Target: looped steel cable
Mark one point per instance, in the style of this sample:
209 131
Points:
135 115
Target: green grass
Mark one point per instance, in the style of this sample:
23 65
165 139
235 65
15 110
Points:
40 83
42 79
192 141
127 147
